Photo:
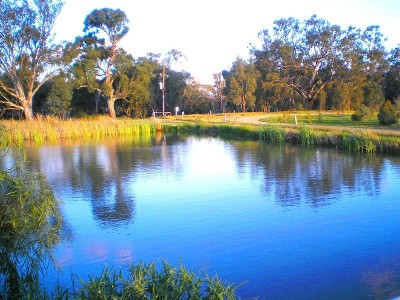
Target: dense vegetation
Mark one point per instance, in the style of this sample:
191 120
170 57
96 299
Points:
309 64
30 225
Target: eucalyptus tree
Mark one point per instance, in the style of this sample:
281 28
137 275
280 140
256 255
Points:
392 76
197 98
28 57
54 96
102 63
242 83
304 56
142 91
218 91
307 57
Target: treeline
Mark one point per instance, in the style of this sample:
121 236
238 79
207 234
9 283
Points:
312 64
308 64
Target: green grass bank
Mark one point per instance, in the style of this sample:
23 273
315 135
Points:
361 141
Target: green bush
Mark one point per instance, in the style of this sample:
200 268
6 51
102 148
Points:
387 114
361 114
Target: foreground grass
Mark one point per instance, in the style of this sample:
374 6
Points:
144 281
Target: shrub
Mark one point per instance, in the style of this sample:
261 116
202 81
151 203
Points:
387 114
361 114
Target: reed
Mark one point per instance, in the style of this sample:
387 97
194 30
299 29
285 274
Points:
149 281
272 133
363 141
50 129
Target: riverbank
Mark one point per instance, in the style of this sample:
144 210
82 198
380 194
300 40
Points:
242 126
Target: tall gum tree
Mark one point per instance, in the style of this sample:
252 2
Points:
243 83
306 57
28 58
98 65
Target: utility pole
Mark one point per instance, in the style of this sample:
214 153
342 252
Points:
163 89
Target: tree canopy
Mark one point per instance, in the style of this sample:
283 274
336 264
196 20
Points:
102 65
28 57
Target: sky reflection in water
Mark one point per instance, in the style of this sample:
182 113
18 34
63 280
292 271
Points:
291 222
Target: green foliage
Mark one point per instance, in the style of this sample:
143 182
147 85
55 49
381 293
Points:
242 83
391 84
363 142
307 63
387 114
147 281
307 136
102 65
27 56
272 133
361 114
196 100
30 225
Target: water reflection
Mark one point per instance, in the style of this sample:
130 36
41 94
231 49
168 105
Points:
293 217
297 175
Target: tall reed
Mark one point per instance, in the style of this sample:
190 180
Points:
272 133
51 129
363 141
308 136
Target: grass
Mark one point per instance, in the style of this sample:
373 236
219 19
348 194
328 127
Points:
150 282
144 281
324 118
50 129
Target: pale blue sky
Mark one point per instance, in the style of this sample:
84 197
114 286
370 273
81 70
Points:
212 33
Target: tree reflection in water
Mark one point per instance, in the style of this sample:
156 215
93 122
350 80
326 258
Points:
297 175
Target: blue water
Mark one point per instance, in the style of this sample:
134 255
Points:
288 222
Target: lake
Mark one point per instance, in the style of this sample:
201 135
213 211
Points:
288 222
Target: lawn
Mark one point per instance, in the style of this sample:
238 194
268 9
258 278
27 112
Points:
327 119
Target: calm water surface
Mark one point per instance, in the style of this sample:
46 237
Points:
290 222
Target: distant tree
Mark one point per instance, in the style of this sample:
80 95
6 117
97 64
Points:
173 56
243 83
141 91
102 64
27 56
197 99
54 96
218 91
392 76
310 56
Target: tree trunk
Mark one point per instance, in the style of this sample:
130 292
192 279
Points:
27 109
111 108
